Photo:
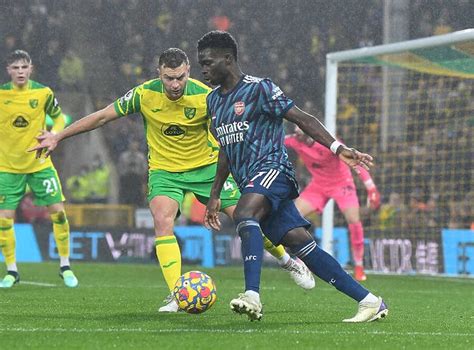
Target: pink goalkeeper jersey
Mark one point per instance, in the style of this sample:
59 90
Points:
324 166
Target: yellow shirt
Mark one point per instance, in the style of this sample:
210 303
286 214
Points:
177 132
22 117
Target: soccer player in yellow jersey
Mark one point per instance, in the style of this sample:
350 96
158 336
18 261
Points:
24 105
182 157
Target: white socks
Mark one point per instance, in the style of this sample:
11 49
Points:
252 294
370 298
64 261
284 259
12 267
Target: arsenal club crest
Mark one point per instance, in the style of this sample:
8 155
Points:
239 108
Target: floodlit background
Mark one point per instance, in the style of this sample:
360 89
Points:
92 52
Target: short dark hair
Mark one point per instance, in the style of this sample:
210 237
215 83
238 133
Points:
18 55
173 58
218 39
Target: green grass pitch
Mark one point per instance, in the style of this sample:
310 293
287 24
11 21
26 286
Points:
115 307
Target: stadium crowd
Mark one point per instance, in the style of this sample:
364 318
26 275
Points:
130 34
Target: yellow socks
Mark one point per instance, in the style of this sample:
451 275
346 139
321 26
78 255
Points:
61 232
169 256
277 251
7 240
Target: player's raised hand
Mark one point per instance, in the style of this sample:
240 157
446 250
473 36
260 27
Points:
211 217
353 157
47 142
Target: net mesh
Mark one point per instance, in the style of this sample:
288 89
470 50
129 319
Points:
414 112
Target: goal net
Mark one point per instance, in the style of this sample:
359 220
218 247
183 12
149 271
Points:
411 105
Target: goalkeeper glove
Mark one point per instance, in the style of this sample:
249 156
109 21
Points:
373 198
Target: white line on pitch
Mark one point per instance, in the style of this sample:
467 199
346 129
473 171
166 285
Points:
230 331
41 284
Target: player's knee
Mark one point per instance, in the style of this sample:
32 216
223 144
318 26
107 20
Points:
59 217
352 215
62 236
242 214
162 219
353 219
164 225
296 237
6 224
163 232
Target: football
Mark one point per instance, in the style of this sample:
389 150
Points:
195 292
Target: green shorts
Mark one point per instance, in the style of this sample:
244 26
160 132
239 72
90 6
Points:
44 184
199 182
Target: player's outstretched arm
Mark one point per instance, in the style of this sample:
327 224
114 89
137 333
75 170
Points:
48 141
211 218
314 128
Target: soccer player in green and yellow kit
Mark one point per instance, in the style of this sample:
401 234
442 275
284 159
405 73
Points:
182 157
24 105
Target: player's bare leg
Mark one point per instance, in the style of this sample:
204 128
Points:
164 210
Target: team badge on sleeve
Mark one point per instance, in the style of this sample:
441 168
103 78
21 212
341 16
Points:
127 97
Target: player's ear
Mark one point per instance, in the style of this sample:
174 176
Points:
228 58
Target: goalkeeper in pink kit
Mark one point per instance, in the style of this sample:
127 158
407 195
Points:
332 178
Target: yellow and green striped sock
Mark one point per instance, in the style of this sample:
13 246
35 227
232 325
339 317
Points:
169 256
7 240
61 232
277 251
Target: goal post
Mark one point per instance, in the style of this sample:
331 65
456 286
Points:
411 105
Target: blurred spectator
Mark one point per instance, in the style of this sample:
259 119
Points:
9 43
132 166
98 179
127 36
220 21
391 213
421 212
462 212
442 24
78 186
71 72
347 118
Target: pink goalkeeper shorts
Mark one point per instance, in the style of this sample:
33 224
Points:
344 194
